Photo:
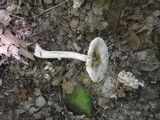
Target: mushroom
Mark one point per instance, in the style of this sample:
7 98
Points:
96 60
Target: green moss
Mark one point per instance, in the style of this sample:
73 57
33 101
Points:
80 101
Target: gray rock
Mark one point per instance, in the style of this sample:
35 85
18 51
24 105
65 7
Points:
40 101
32 110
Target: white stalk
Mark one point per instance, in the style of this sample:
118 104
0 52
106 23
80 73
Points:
39 52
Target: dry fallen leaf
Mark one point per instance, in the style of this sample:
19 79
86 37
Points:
9 46
5 17
8 37
24 94
14 40
26 54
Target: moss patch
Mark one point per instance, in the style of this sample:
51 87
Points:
79 101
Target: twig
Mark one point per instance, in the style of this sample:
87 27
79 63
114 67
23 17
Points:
17 16
49 9
66 115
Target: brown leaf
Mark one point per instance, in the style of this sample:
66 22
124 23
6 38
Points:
7 34
24 44
26 54
11 46
24 94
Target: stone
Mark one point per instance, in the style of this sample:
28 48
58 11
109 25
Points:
40 101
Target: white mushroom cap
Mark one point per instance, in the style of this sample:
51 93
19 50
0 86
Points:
97 62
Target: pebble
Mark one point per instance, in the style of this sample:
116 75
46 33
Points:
49 103
32 110
37 92
49 66
56 81
40 101
27 104
47 77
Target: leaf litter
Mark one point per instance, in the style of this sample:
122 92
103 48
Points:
134 18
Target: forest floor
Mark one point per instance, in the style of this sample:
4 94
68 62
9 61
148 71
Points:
131 30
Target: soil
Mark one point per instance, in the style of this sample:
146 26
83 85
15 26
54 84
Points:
131 30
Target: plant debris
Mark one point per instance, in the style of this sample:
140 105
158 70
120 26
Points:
32 88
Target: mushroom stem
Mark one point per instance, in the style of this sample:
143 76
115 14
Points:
39 52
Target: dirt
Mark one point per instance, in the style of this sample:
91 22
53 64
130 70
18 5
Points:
130 28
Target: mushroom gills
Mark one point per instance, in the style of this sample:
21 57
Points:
96 58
